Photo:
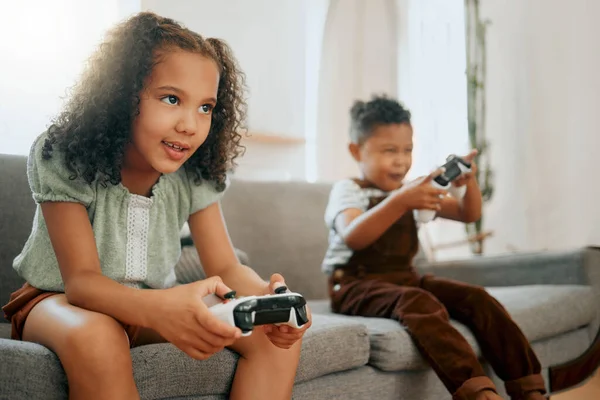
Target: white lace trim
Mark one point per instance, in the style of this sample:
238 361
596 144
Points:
138 222
135 285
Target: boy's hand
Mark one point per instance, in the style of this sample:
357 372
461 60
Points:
465 178
284 336
420 194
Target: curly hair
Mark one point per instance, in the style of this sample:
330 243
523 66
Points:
380 110
94 128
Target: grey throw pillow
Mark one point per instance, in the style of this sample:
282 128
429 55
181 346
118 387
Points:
189 268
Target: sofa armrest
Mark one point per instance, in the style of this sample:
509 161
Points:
573 267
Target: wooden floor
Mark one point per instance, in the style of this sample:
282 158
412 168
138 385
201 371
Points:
589 391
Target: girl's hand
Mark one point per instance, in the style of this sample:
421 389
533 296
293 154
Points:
183 319
465 178
420 194
284 336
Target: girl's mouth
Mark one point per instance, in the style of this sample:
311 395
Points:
175 152
174 146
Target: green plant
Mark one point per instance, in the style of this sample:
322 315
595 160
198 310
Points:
476 30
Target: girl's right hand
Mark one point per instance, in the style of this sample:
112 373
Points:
184 320
420 194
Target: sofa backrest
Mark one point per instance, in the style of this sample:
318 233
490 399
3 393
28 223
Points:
278 224
281 226
16 218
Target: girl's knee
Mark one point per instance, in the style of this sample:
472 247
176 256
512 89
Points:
96 340
258 347
75 333
94 352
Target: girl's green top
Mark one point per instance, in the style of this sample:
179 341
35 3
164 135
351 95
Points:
137 237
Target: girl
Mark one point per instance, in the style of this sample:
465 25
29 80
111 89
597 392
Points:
142 147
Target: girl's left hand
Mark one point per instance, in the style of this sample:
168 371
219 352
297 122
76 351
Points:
284 336
465 178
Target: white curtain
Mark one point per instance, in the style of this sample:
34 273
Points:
432 83
358 58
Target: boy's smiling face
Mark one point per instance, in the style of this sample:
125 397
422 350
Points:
385 157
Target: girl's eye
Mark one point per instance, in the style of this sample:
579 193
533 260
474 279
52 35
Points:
205 109
170 99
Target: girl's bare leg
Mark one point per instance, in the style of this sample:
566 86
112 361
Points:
93 348
264 371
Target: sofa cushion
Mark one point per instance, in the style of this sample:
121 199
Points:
17 208
189 267
542 311
4 330
332 344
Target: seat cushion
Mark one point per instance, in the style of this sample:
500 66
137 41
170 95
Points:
541 311
4 330
332 344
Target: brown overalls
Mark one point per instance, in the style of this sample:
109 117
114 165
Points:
380 281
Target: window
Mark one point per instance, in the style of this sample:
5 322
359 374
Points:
432 84
44 48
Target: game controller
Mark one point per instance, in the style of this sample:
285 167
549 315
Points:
454 167
281 308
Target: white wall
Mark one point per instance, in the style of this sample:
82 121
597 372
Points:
43 47
277 43
543 122
268 39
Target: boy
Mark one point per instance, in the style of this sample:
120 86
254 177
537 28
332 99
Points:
372 242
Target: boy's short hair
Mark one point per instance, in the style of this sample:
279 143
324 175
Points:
380 110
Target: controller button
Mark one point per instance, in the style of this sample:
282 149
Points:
281 289
230 295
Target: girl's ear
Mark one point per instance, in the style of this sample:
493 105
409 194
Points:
354 151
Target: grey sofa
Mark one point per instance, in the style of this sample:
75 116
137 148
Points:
554 297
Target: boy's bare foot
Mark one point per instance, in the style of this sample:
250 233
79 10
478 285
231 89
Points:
487 395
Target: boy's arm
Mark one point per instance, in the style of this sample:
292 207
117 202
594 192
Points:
469 208
466 210
360 228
